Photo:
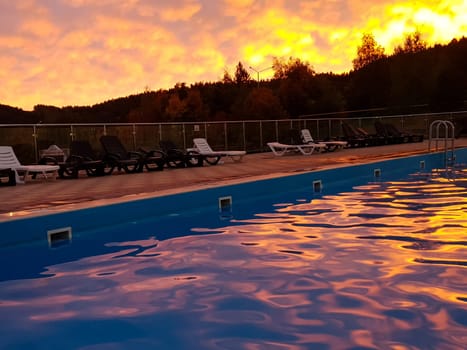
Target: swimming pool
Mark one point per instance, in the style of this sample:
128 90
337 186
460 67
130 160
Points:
376 263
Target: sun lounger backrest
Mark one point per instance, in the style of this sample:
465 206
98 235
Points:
393 130
306 136
113 145
202 145
348 131
8 158
82 149
381 129
167 145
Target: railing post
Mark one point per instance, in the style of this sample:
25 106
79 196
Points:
244 135
260 135
317 129
134 136
72 134
34 137
225 136
160 132
277 130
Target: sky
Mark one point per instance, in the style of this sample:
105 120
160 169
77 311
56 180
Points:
83 52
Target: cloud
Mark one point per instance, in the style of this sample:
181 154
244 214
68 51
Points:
81 52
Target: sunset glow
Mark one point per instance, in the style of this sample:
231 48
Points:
82 52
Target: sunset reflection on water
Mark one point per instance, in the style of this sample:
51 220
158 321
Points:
382 267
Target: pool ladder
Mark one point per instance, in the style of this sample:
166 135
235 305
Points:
442 136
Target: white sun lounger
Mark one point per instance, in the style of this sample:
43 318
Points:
201 146
330 145
8 160
279 149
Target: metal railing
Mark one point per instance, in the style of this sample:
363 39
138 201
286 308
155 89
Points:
249 135
442 135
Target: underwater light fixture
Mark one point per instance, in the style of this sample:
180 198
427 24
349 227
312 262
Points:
225 205
317 186
59 237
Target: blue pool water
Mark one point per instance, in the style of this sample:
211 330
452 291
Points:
380 264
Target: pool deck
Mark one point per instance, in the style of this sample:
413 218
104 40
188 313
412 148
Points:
40 196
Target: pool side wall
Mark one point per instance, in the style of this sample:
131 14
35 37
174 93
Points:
23 230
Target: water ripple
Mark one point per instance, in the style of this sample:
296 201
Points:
379 268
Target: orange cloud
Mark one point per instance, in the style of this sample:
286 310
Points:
180 14
39 28
81 52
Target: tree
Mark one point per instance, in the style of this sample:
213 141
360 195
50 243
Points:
16 115
370 86
413 43
195 109
326 96
369 51
147 107
294 68
296 85
263 104
227 78
176 108
241 74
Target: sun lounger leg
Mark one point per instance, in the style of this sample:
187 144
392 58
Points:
306 150
18 178
277 152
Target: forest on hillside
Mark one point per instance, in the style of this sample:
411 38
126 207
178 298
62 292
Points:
414 78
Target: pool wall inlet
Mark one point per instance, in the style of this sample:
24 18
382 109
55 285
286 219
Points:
22 230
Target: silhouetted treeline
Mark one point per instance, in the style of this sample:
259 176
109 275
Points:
434 77
428 80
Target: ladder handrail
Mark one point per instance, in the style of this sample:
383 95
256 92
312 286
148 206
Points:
449 135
